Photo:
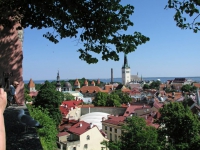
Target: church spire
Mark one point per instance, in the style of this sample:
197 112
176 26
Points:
58 85
125 65
58 76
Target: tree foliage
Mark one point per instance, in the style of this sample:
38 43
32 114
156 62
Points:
136 135
145 86
188 88
48 131
115 98
96 24
68 96
181 126
155 85
50 99
124 97
184 11
100 99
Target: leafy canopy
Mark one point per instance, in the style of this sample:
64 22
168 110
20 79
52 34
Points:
101 24
135 135
50 99
180 125
48 131
184 11
188 88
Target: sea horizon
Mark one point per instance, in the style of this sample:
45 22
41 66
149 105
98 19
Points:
119 79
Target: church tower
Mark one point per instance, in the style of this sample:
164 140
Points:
58 85
126 71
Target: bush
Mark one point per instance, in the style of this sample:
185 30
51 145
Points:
48 132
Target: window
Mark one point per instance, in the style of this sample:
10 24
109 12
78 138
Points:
74 148
115 137
110 137
105 127
110 129
85 146
127 71
115 130
88 137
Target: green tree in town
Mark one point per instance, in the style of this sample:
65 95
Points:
155 85
68 96
136 135
100 99
180 126
124 97
186 13
50 99
48 131
145 86
188 88
96 24
113 100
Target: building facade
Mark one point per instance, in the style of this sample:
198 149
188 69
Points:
81 136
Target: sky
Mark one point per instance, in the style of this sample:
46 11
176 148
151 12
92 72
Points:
171 52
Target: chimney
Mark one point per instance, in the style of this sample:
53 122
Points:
103 119
111 76
80 125
91 125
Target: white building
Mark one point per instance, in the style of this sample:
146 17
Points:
81 136
126 71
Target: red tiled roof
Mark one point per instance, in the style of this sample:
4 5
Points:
177 96
76 82
31 84
131 109
62 134
157 105
126 90
115 120
67 105
90 89
149 121
196 85
109 87
78 130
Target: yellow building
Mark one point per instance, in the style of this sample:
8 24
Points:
112 127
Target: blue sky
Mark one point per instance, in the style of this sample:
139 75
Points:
171 52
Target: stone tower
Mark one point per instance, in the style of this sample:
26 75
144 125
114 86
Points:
126 71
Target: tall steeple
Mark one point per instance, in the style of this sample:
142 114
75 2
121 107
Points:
126 71
58 76
125 65
58 85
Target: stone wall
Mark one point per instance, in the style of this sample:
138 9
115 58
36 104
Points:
110 110
11 57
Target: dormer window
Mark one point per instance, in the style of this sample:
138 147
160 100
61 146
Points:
88 137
